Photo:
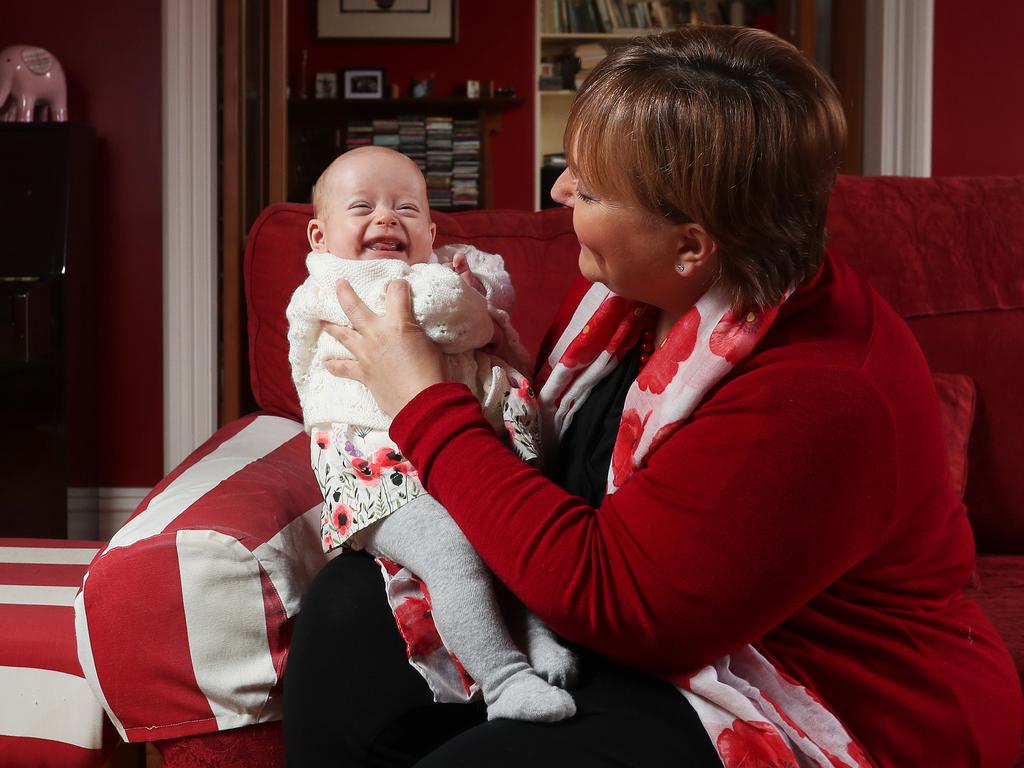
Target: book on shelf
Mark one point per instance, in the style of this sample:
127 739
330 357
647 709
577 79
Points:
622 16
590 54
445 149
558 72
359 134
439 161
412 138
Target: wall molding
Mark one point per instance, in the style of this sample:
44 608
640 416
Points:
898 53
97 513
189 225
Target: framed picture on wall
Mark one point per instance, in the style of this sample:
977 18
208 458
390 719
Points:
386 21
325 86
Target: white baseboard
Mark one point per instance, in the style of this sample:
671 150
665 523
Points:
97 513
83 513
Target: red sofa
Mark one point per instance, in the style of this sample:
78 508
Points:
189 609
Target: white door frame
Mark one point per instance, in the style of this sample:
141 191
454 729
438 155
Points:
190 373
898 55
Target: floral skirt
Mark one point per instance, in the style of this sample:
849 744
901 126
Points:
363 479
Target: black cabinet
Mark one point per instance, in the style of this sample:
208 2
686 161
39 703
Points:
47 324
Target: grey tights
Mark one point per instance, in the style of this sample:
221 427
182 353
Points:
516 685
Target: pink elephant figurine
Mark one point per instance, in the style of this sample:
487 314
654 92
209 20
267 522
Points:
31 77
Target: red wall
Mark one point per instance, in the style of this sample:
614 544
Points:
112 62
978 109
495 42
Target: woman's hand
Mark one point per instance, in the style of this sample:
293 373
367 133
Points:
394 357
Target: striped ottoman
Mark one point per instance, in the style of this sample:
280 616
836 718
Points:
48 714
184 620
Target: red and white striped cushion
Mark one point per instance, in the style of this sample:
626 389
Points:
48 714
183 622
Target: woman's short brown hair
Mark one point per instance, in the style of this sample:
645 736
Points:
728 127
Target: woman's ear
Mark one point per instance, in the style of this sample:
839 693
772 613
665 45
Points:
316 235
697 250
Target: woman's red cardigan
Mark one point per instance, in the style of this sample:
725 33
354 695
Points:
804 508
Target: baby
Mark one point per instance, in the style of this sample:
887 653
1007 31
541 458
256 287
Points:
372 225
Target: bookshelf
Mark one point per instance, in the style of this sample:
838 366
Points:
564 27
321 129
553 99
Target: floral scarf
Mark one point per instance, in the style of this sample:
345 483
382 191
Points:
754 714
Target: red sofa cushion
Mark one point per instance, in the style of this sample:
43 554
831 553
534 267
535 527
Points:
934 246
947 254
540 251
999 584
956 408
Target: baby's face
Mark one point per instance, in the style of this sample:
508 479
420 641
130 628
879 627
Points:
375 207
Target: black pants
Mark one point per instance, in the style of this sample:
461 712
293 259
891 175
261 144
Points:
352 699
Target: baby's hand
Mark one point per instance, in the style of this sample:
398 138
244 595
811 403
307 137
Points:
461 266
498 344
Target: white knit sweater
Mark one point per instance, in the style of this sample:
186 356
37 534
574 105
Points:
454 315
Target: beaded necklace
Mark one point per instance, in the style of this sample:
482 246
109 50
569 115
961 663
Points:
647 337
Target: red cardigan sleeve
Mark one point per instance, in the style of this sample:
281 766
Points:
778 484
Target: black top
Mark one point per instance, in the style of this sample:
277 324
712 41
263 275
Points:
585 452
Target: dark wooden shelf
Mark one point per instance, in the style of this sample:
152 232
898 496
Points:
299 108
308 110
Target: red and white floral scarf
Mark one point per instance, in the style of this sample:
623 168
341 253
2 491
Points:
754 714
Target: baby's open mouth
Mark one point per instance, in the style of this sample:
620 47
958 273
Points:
385 244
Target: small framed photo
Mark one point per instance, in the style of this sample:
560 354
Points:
326 85
472 89
363 83
422 85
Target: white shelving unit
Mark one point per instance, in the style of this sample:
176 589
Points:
794 20
552 107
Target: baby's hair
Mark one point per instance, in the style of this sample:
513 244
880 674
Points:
319 192
321 187
728 127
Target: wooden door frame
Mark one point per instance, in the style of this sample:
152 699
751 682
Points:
899 48
203 369
189 225
238 175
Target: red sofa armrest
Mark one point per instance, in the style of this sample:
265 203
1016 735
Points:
184 619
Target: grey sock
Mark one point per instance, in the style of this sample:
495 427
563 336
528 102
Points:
423 537
552 660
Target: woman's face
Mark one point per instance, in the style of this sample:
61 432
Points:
632 251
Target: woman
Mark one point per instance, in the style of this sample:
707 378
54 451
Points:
749 517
